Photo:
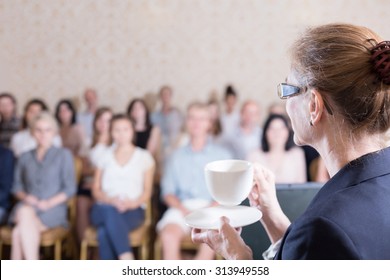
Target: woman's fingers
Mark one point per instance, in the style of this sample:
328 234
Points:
262 175
227 231
238 230
198 236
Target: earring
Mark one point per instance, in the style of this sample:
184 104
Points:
311 123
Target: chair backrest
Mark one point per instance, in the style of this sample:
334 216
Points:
148 212
294 199
72 211
78 169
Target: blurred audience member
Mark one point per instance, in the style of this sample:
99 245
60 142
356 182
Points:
183 184
72 134
169 120
101 134
278 152
9 121
6 177
246 137
23 140
85 119
216 127
44 180
100 144
122 187
147 136
277 108
230 119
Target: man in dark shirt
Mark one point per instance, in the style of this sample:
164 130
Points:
9 122
6 178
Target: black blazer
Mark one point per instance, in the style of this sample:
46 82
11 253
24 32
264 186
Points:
349 218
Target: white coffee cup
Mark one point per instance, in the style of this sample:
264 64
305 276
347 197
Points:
229 181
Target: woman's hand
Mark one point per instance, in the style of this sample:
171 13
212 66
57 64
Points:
118 204
263 194
123 205
31 200
43 205
226 242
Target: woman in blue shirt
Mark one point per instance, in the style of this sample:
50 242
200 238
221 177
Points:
44 180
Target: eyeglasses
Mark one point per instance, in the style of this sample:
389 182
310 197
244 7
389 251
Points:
286 91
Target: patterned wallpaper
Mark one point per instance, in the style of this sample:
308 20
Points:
127 48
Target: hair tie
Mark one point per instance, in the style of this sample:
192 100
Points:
380 57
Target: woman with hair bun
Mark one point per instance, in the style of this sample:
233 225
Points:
338 100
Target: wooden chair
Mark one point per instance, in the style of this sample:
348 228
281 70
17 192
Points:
140 237
53 237
78 168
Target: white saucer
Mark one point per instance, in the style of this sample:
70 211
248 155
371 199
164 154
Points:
209 218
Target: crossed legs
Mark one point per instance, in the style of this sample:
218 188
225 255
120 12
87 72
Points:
113 229
26 234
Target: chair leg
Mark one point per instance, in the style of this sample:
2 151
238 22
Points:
157 249
145 250
1 249
83 250
57 249
71 247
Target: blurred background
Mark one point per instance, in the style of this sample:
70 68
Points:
128 48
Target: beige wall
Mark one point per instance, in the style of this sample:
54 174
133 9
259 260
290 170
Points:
124 48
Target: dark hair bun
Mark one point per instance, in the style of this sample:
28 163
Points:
380 56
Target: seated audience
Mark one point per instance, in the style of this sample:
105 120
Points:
23 140
85 119
247 135
169 120
183 184
44 180
9 121
100 144
72 134
278 152
6 178
122 188
147 136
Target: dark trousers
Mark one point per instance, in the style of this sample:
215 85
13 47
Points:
113 229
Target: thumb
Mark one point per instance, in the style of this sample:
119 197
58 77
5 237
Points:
224 221
226 229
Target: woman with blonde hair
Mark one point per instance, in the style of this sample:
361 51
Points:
44 181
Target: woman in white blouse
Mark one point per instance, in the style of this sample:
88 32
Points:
279 153
122 187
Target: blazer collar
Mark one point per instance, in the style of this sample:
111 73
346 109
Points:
366 167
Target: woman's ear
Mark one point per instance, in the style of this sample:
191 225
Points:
316 107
